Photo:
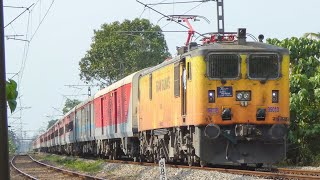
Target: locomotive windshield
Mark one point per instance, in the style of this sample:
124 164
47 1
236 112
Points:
223 66
264 66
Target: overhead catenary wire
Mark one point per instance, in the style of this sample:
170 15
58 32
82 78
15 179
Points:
14 19
16 7
178 2
27 44
144 9
45 15
183 14
167 16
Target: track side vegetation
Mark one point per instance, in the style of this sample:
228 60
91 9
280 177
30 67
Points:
304 99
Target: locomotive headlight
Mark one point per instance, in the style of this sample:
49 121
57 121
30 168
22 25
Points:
275 96
239 96
211 96
243 95
246 96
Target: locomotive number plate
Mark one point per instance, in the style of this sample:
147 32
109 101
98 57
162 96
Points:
225 91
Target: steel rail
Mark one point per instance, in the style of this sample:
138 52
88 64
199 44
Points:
72 173
277 173
298 171
21 172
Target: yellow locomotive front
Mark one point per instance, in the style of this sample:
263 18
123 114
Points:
239 102
223 102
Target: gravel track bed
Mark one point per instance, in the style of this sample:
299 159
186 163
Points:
133 172
127 171
25 164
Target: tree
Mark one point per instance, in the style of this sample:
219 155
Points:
51 122
119 49
12 142
312 35
69 104
304 98
11 94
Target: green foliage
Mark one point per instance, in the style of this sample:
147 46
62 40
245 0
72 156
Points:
11 94
70 103
304 98
12 142
51 122
116 52
76 164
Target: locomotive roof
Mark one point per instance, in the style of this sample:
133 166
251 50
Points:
223 47
235 47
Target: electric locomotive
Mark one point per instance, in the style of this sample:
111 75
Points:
226 101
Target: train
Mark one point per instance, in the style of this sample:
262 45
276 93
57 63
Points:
225 101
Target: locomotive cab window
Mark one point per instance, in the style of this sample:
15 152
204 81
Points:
263 66
226 66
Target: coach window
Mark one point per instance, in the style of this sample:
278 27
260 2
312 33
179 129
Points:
177 79
71 126
150 86
189 70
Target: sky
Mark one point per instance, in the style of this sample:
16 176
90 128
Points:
60 32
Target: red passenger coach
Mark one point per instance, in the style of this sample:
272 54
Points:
113 113
105 124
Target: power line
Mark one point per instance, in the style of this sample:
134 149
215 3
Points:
45 15
150 31
27 9
144 9
16 7
179 2
167 16
183 14
17 39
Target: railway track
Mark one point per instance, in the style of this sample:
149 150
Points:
272 173
33 169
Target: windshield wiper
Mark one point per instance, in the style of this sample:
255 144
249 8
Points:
223 81
263 81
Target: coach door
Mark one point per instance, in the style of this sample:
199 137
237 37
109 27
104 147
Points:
115 111
102 119
184 90
180 86
76 129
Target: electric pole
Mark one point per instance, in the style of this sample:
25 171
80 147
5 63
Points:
4 156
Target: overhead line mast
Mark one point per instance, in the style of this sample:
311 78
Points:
220 16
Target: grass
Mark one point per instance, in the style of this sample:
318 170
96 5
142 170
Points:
76 164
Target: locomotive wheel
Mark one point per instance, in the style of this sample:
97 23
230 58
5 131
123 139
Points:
243 165
114 154
141 159
259 165
203 163
155 159
190 161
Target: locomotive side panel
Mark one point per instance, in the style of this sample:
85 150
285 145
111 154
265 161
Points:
158 106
